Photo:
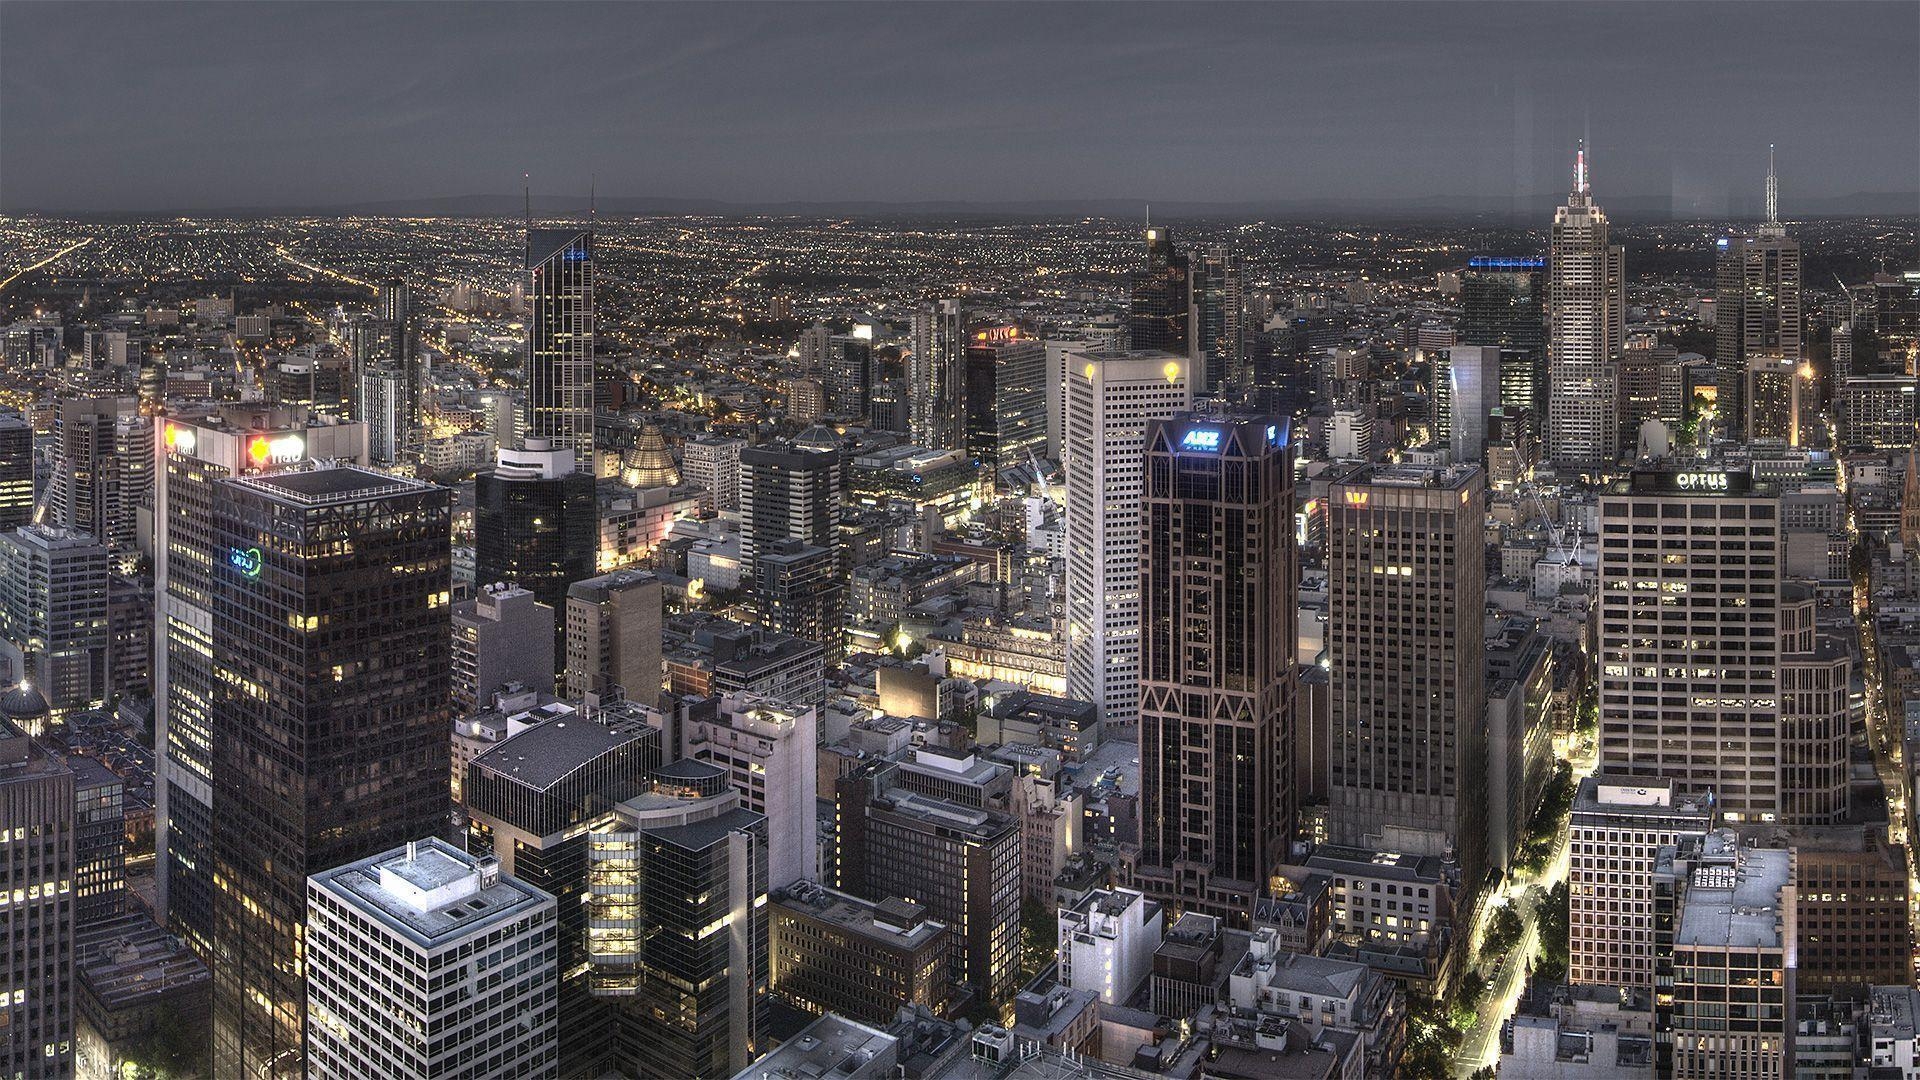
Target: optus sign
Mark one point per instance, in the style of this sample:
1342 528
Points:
245 560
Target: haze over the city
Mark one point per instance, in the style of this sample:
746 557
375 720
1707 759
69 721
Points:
1424 107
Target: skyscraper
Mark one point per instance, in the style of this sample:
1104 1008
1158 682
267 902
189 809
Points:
1217 688
1756 311
196 453
330 597
16 471
536 523
103 471
396 311
677 903
787 493
934 375
613 636
1111 398
1586 328
528 800
53 615
1005 405
36 814
1711 669
1503 303
1161 314
769 750
1406 611
1466 388
400 946
559 265
1219 343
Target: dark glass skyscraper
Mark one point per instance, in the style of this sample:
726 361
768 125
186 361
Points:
16 471
560 341
1219 311
1217 680
330 722
536 524
1161 315
1503 302
1006 399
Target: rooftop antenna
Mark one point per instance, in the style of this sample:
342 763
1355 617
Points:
526 189
1580 168
1773 190
1149 217
593 205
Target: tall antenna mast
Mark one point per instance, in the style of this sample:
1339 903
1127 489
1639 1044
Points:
526 190
1773 190
593 205
1580 168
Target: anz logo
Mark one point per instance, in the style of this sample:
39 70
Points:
245 560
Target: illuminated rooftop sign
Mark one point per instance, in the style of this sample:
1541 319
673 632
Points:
1506 262
245 560
1207 439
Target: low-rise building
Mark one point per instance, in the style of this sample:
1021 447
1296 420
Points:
831 952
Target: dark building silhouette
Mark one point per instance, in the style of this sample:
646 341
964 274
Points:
1217 679
330 719
536 524
1161 315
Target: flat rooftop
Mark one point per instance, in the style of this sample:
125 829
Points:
343 483
894 922
1734 904
430 892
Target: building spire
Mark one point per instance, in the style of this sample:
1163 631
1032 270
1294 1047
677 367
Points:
1580 168
593 205
526 191
1773 190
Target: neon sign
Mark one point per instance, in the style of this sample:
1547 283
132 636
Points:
1701 481
245 560
1207 439
262 450
1506 262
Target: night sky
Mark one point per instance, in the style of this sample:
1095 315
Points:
159 106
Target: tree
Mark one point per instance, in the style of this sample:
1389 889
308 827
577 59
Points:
1505 932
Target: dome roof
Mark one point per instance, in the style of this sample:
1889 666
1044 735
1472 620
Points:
648 463
818 437
23 702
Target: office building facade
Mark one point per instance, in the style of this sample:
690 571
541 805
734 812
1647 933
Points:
613 636
536 522
195 454
1751 708
1406 610
559 357
934 376
1217 679
1111 398
423 963
1586 329
1005 412
37 931
330 732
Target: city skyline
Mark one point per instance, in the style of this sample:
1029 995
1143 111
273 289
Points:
934 105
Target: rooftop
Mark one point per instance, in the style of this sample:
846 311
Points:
830 1047
430 892
1733 893
549 752
894 922
318 487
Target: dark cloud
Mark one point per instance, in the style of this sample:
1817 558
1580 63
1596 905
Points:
160 105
